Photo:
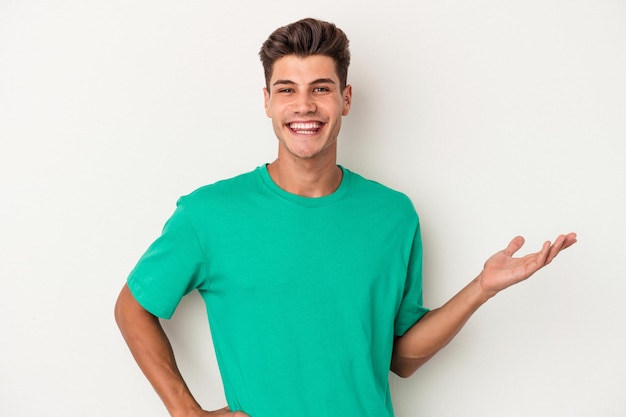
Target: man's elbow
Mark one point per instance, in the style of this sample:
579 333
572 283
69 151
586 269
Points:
405 367
402 372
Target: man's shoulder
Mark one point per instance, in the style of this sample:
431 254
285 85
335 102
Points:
226 186
381 200
377 190
220 193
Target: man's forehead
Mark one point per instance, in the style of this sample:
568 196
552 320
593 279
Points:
307 69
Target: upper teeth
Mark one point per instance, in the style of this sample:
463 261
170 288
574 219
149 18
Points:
305 126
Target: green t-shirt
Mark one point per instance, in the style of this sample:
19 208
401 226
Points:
304 295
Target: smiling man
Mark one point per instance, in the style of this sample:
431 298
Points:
306 101
311 274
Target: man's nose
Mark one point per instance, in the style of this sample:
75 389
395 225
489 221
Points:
305 104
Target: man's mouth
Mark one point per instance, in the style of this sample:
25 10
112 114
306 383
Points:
305 128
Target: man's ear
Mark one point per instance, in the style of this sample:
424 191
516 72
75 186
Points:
266 101
347 100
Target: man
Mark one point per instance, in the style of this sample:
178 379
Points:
311 274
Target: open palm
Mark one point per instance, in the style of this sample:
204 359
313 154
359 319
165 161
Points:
503 270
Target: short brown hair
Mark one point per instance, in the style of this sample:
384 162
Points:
304 38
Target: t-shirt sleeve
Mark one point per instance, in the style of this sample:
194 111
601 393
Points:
411 308
172 267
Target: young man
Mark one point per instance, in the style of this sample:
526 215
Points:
311 274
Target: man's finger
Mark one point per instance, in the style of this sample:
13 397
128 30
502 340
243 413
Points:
556 247
565 241
514 245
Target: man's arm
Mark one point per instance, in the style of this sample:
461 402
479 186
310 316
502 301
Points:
153 352
437 328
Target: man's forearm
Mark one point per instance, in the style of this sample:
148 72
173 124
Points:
436 329
439 326
153 353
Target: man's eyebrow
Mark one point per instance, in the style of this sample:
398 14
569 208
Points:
318 81
323 81
283 82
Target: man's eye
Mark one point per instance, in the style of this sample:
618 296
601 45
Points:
321 90
286 90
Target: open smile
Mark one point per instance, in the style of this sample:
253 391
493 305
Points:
305 128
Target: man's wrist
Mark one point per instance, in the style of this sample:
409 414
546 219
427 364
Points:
480 294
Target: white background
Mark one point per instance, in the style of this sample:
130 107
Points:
496 117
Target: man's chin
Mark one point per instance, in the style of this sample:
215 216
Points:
306 153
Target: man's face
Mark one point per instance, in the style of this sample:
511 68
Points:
306 104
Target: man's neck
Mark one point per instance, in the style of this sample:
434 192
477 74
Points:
306 178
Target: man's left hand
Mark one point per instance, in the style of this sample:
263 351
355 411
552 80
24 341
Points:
503 270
